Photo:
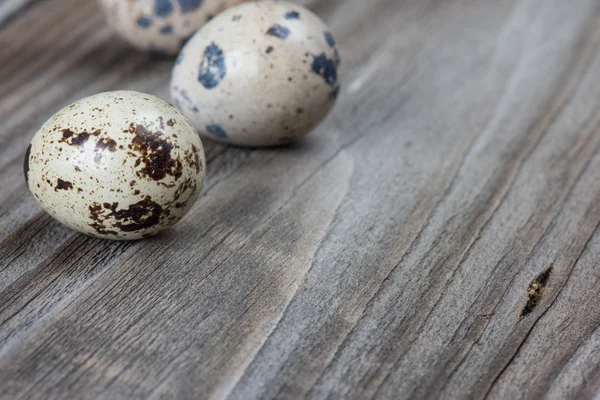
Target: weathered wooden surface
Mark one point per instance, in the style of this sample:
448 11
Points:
437 236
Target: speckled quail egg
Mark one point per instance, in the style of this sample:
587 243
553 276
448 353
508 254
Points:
162 26
119 165
259 74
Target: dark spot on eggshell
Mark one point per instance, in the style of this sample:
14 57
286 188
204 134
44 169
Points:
141 215
63 185
76 139
189 5
163 8
217 131
236 18
279 31
292 15
185 96
270 49
171 123
193 158
189 185
106 144
329 39
326 68
166 30
155 154
26 164
101 229
95 210
144 22
212 67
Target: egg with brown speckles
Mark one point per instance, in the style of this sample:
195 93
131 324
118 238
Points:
259 74
119 165
161 26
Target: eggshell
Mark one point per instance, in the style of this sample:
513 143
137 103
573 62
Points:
119 165
161 26
259 74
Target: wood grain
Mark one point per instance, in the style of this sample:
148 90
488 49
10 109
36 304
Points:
394 253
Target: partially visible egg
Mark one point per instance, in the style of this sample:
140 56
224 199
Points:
162 26
119 165
259 74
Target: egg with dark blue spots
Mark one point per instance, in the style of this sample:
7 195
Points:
161 26
259 74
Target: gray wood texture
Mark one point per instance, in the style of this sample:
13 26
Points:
436 237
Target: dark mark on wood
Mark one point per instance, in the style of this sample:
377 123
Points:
536 291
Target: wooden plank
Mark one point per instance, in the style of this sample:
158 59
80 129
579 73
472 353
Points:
437 236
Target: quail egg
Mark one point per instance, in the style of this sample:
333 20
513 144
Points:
259 74
161 26
119 165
